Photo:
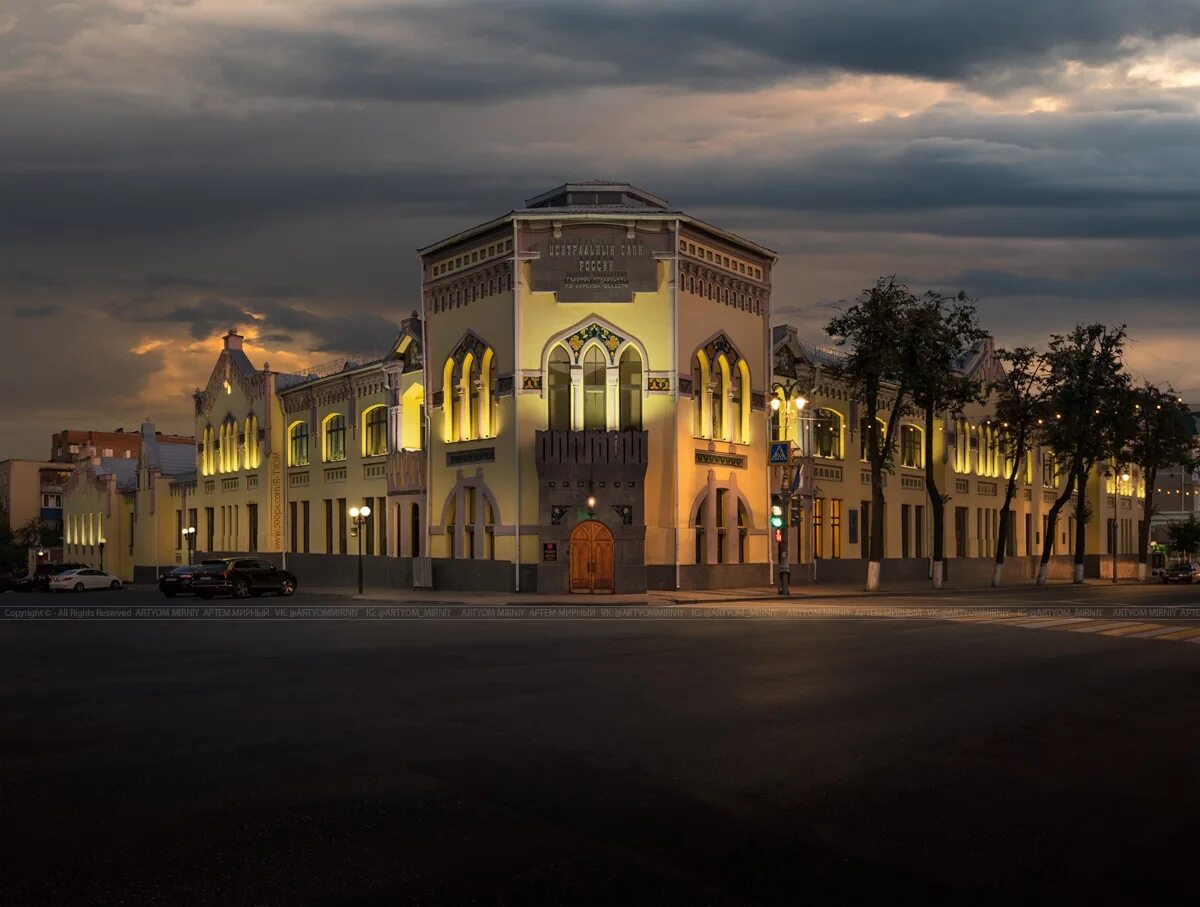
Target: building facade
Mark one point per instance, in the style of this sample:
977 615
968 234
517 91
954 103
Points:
282 458
583 405
71 444
597 366
970 470
121 514
31 491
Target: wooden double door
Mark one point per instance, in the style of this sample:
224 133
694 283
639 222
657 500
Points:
591 557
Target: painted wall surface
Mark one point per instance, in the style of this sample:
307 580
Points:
94 511
239 426
969 469
662 323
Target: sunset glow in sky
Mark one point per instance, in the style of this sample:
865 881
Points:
169 169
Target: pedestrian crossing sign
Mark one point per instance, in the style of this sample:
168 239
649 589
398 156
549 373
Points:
779 453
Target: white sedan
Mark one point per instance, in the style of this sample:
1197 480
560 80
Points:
82 580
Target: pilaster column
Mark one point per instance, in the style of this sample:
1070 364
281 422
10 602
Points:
731 523
460 520
396 427
576 398
464 409
612 397
710 520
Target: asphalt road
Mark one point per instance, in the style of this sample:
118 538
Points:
603 761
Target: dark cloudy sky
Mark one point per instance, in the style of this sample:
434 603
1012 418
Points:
170 168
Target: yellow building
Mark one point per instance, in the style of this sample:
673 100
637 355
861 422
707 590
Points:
31 492
283 458
597 365
122 515
970 468
583 407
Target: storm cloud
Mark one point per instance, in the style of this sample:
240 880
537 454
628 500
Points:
170 170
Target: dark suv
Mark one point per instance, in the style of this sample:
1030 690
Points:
241 577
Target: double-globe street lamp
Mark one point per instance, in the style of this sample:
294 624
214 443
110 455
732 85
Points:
189 541
358 519
786 398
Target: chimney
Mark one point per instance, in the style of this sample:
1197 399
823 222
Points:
233 340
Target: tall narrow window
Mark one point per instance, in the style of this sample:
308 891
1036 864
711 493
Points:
252 452
559 390
835 527
335 438
298 444
414 540
593 389
827 434
487 378
743 531
631 389
912 451
818 517
741 402
700 394
450 404
468 415
720 397
736 428
375 432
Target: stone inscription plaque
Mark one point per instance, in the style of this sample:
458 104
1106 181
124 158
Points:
594 268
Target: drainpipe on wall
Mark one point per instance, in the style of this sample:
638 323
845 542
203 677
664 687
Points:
675 399
516 398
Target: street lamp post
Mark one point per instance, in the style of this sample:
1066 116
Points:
1123 477
786 392
101 543
189 541
358 517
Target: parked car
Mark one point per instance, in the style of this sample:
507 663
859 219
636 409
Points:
82 580
1185 572
179 580
39 579
241 577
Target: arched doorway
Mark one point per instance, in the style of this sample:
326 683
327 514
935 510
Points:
591 556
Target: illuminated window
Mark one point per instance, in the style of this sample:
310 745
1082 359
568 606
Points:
827 434
227 452
334 438
630 380
864 438
252 450
207 460
298 444
912 450
559 390
594 368
469 388
375 431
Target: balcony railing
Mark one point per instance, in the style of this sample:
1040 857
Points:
611 448
405 471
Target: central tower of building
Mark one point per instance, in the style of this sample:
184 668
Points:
597 370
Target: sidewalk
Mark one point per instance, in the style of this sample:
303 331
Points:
661 597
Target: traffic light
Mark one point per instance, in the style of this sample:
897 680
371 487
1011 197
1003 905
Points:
779 536
776 511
